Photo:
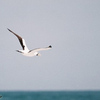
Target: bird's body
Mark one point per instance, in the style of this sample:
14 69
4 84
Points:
26 51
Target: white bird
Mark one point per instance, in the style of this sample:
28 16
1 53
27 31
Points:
26 51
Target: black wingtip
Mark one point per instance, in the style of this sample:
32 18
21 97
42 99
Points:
50 46
8 29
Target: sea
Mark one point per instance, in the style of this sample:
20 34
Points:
50 95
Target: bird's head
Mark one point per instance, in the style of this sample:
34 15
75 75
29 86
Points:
37 54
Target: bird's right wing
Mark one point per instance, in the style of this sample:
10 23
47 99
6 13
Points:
40 49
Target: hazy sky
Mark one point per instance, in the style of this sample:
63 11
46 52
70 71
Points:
72 27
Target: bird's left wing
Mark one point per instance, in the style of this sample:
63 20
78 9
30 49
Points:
19 38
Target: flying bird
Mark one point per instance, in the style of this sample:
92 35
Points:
25 51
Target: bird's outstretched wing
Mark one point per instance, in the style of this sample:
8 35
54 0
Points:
21 40
41 49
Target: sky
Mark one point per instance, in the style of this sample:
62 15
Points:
72 27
